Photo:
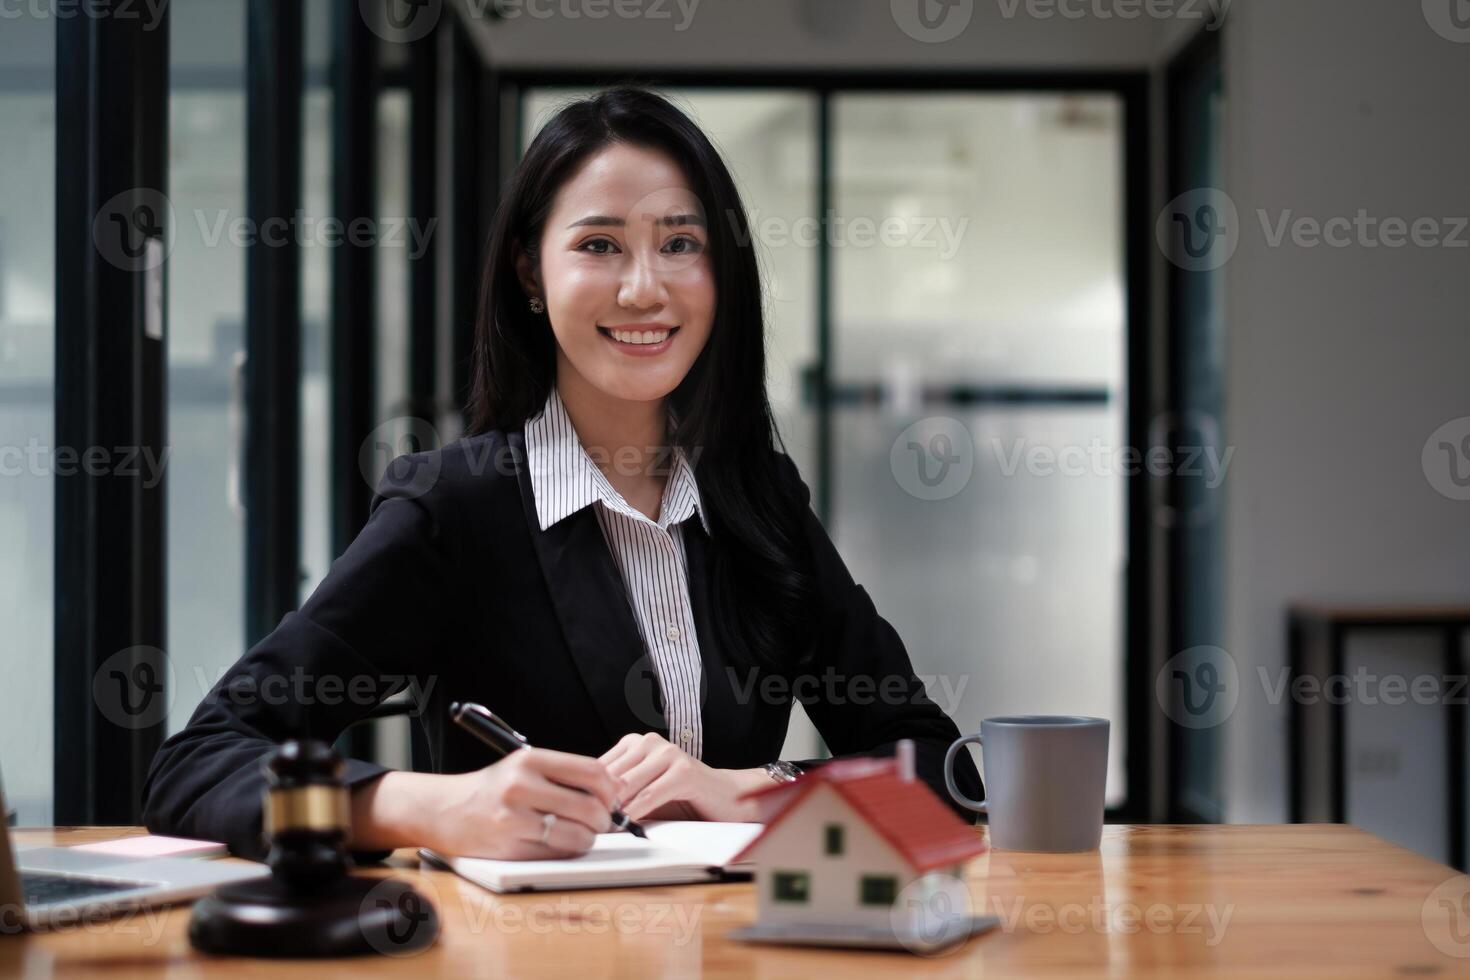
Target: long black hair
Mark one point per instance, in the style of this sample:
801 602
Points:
760 558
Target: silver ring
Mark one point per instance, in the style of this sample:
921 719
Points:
548 820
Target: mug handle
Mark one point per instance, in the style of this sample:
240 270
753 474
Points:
960 798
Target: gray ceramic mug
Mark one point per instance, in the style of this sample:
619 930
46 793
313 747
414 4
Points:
1045 776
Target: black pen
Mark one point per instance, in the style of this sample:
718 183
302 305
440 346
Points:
482 723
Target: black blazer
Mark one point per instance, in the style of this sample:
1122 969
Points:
453 588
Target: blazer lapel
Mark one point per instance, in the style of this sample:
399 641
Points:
596 617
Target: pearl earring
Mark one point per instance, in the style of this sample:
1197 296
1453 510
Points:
537 306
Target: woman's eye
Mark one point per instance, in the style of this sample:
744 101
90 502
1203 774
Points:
587 246
693 244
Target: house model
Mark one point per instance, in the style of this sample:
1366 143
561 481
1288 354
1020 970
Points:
860 852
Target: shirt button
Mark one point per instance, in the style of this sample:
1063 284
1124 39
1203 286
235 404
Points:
672 632
686 734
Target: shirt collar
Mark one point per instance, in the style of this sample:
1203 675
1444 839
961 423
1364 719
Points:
564 479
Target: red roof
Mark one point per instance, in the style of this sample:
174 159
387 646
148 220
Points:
904 812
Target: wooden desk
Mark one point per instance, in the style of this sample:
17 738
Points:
1166 901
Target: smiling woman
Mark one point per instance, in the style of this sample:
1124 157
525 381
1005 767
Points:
642 587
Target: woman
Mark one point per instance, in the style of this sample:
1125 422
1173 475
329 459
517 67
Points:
645 628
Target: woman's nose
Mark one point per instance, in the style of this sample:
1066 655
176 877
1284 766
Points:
642 285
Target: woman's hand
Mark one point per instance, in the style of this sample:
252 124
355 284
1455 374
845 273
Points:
494 812
660 780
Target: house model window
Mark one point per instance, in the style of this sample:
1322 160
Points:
791 886
878 890
834 839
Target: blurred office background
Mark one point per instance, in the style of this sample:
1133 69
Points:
1036 309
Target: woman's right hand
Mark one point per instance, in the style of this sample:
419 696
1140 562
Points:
494 812
498 811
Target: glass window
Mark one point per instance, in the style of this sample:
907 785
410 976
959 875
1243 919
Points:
392 256
27 432
791 886
316 296
206 348
978 356
833 838
878 889
394 244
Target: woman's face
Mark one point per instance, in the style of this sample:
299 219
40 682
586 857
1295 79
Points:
625 274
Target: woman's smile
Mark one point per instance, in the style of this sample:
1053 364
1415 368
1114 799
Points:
640 339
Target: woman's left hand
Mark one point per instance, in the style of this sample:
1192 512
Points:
657 775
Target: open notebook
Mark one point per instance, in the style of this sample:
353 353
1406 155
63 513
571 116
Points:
676 852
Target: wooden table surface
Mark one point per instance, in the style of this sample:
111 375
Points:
1156 901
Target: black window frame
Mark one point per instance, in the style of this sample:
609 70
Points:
112 82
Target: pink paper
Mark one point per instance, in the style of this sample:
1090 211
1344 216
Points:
148 845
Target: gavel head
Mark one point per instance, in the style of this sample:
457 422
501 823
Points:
306 818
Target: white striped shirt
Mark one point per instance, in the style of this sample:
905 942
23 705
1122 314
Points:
649 554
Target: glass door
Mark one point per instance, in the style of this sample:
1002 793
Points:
29 457
979 393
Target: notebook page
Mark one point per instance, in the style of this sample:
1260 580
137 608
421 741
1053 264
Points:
675 849
708 841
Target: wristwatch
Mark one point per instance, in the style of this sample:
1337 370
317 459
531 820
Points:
782 772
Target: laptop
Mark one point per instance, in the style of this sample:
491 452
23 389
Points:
44 887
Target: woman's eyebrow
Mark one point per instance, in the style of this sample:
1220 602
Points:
670 220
